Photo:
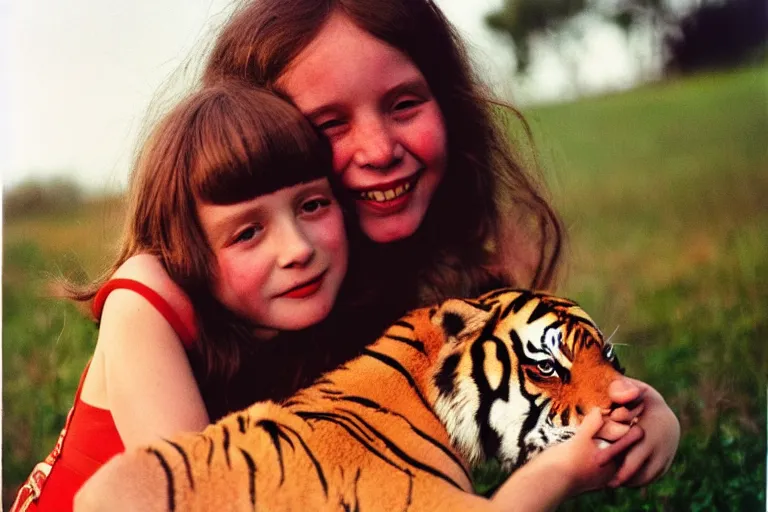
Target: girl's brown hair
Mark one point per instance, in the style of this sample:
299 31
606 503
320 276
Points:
223 144
490 222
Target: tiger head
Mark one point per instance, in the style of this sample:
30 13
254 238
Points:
517 372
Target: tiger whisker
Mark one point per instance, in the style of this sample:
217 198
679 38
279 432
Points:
608 340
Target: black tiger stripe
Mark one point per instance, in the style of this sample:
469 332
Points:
357 498
366 402
168 478
541 309
560 302
285 437
225 444
479 305
409 497
361 431
517 347
315 462
251 476
528 425
185 458
210 453
241 422
534 412
534 349
331 391
272 429
338 420
497 293
403 323
490 438
445 378
418 345
395 365
394 448
293 402
516 305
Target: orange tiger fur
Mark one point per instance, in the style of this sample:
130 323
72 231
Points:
501 376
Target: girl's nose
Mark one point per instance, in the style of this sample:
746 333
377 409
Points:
294 249
376 147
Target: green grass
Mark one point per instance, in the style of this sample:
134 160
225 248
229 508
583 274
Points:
663 190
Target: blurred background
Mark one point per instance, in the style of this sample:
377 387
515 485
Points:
650 123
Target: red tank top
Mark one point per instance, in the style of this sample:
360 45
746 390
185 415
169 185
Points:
89 438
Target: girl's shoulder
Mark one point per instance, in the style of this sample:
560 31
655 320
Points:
146 275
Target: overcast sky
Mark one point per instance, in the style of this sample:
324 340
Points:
77 76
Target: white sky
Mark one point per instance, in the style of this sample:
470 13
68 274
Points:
77 76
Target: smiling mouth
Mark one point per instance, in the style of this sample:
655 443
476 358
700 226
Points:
305 289
392 191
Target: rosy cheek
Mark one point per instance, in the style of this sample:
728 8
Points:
430 138
333 237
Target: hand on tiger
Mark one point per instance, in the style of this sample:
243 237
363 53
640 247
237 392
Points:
582 461
651 457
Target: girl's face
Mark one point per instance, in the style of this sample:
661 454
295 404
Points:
281 257
386 129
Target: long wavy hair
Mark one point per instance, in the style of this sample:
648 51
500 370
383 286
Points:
490 221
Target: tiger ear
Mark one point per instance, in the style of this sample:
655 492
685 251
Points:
460 319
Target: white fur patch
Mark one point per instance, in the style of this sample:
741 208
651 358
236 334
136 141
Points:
507 420
458 415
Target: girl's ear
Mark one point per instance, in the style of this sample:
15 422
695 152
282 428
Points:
460 319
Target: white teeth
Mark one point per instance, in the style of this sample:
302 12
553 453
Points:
386 195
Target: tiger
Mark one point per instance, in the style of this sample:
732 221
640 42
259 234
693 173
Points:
501 376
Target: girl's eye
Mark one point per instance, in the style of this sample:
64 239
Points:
406 104
330 124
546 368
315 204
248 234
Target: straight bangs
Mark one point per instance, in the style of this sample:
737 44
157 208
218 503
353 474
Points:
246 142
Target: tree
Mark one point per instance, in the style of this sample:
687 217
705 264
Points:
718 35
523 21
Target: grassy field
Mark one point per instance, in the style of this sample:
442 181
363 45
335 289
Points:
663 190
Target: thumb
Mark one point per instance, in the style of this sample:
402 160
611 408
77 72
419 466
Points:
623 390
591 423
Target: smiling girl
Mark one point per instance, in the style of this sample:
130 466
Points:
234 239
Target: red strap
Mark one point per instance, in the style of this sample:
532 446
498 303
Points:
186 331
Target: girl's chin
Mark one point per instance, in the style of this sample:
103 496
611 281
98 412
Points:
390 229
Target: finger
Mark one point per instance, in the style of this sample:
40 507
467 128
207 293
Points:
625 415
623 390
612 430
590 424
633 466
608 453
649 472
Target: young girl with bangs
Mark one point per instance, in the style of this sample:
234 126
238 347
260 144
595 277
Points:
446 207
234 240
233 257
